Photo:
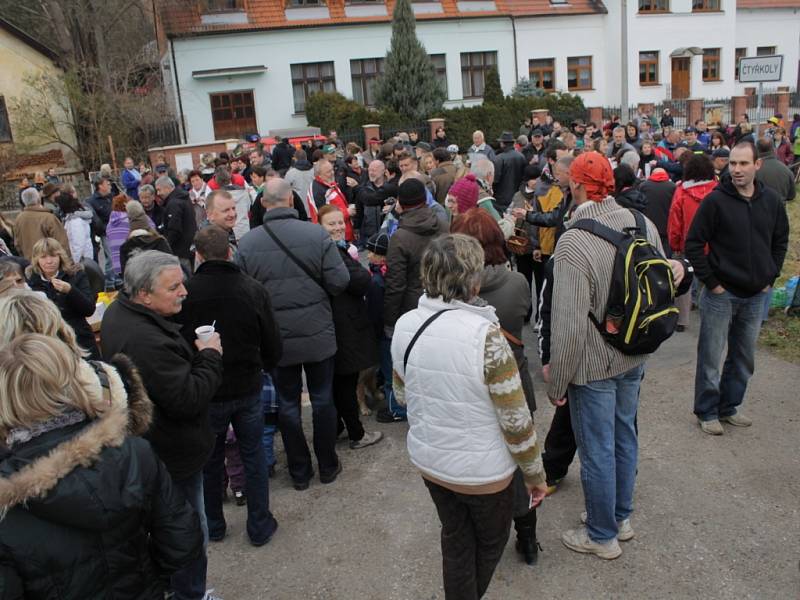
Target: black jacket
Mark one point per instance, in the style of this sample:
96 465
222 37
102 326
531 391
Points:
369 200
747 240
282 156
107 522
179 380
180 224
141 243
242 308
75 306
418 226
101 205
632 198
659 200
508 167
156 214
356 348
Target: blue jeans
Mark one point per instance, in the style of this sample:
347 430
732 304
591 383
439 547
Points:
737 321
189 583
603 417
270 398
385 348
246 414
289 384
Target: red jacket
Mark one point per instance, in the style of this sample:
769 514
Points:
685 201
236 179
784 152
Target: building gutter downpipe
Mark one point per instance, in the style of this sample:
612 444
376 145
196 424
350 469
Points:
516 64
178 90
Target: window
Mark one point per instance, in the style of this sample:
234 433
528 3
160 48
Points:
363 73
542 73
5 126
648 68
711 64
654 6
579 72
233 114
440 66
705 5
223 5
473 71
740 53
301 3
308 78
766 50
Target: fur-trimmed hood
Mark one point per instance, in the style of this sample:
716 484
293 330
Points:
29 479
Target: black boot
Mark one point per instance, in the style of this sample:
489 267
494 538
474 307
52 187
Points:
527 545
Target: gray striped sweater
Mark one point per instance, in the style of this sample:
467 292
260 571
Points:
583 265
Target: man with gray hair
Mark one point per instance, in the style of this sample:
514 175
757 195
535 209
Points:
241 199
180 381
147 196
179 223
36 222
618 143
483 169
301 267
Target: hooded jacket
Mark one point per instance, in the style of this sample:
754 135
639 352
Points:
659 190
632 198
179 223
746 239
90 511
776 175
418 226
685 203
34 223
299 176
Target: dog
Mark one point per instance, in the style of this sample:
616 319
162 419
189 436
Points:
368 386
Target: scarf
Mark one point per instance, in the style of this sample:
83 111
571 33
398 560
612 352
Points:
20 435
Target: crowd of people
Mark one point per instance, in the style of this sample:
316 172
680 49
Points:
407 272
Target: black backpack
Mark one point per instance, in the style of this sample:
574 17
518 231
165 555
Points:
641 311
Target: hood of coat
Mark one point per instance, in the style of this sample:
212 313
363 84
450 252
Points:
436 304
698 189
302 165
420 220
494 277
117 218
632 198
35 473
726 186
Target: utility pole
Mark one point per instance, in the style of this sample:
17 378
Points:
625 74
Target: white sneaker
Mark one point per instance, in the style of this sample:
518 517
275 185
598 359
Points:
579 541
370 437
624 528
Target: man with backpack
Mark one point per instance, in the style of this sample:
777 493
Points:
596 358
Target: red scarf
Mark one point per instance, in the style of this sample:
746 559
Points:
334 196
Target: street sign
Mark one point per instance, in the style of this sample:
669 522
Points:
760 69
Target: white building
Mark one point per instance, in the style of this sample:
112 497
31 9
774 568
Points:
239 66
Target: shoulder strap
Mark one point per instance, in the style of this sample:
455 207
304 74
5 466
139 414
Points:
103 377
596 228
512 338
424 326
641 224
294 258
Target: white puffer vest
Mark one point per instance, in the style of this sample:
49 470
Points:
453 432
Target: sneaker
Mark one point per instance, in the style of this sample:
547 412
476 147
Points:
737 419
552 488
240 498
579 541
370 437
624 529
211 596
386 416
712 427
332 477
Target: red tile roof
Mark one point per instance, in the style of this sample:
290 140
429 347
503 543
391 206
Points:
180 19
767 3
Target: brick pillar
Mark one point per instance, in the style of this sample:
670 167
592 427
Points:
541 113
596 115
434 124
738 107
782 106
371 131
694 110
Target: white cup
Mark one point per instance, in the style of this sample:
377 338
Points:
204 332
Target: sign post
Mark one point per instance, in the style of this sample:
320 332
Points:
760 69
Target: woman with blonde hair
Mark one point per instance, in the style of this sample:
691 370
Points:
28 312
86 509
65 283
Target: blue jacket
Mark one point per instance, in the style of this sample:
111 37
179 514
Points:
131 183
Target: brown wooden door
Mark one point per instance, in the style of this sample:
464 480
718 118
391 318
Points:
680 77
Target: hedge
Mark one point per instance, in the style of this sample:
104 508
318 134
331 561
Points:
333 111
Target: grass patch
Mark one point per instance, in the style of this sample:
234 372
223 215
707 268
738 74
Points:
781 334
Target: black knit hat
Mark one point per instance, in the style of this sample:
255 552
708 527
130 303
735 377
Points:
411 193
378 243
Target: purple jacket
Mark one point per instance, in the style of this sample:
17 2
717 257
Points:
117 232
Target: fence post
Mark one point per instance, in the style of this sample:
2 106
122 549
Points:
694 111
738 107
434 124
371 131
596 115
782 105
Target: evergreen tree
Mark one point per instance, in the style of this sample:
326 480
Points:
525 88
492 92
409 85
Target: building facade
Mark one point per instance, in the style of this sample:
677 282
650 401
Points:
244 66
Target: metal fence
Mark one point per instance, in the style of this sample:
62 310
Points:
356 136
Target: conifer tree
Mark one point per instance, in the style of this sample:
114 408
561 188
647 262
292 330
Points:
409 85
492 92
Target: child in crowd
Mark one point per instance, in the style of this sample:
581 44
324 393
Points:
377 246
